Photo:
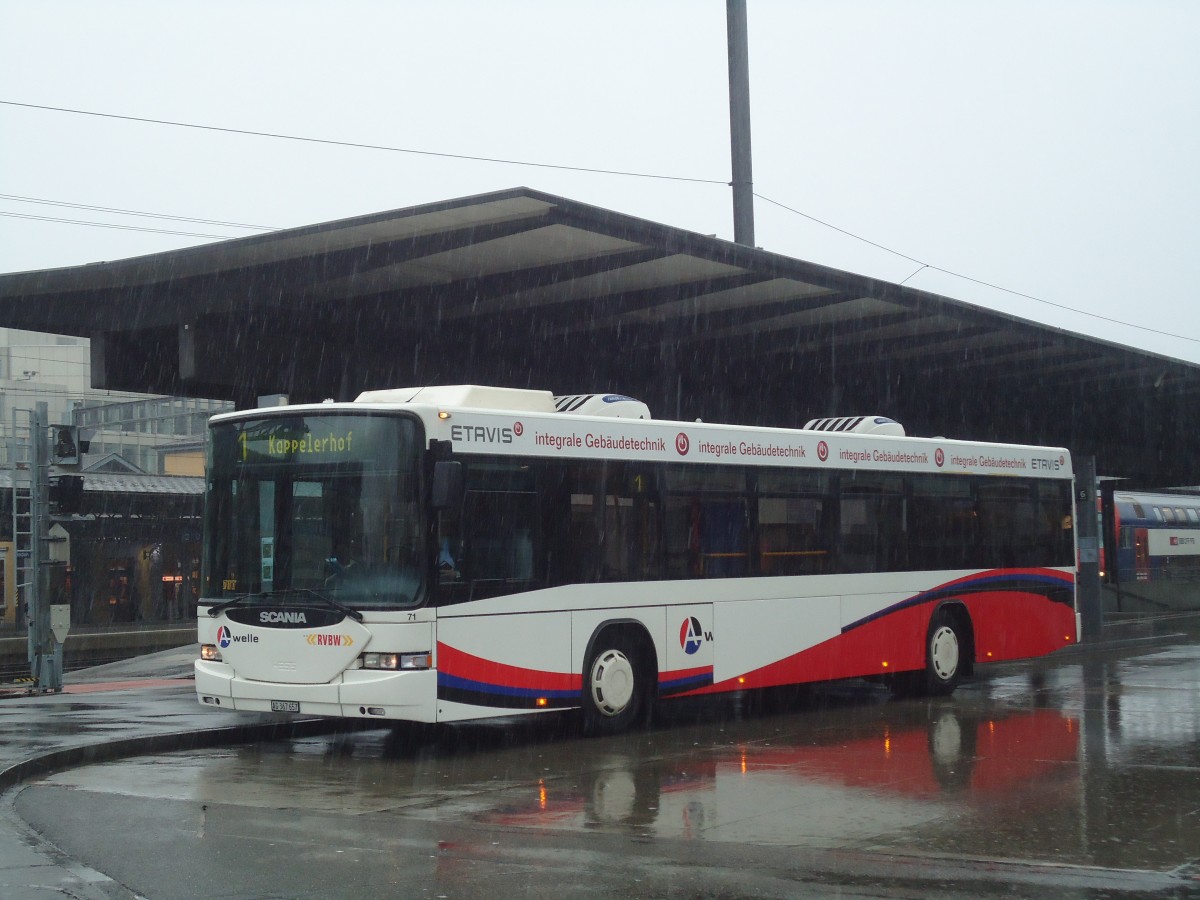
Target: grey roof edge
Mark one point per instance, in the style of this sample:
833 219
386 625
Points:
125 483
151 268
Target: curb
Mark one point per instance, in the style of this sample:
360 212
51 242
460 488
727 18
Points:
1102 646
107 751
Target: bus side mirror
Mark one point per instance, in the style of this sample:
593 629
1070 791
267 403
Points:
447 484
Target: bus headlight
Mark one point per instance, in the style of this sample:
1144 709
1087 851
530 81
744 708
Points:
381 660
393 661
210 653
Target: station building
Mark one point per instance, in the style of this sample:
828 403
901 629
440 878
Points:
131 550
525 289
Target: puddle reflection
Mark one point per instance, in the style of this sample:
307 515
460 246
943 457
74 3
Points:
869 780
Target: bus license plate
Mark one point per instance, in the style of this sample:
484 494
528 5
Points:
285 706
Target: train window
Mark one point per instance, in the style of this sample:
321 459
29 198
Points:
1127 537
1179 516
1158 514
1193 516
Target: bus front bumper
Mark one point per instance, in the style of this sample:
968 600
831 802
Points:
366 694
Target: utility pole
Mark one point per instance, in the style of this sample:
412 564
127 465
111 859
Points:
48 624
1087 536
739 122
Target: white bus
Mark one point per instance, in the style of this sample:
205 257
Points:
447 553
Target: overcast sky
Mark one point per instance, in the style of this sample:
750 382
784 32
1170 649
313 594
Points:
1049 148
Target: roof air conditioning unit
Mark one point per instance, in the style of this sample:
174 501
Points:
858 425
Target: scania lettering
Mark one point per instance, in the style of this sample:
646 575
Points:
462 552
273 616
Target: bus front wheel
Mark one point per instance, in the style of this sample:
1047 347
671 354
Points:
615 683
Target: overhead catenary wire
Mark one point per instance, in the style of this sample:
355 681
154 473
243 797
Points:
996 287
365 146
59 220
134 212
503 161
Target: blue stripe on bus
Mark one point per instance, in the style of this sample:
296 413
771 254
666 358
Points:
679 685
482 687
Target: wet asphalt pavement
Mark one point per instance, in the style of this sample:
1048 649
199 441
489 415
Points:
107 712
1072 777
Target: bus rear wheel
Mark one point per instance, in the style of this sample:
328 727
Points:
947 658
945 650
615 685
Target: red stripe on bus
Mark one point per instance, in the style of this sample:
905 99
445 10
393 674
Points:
1007 624
486 671
681 674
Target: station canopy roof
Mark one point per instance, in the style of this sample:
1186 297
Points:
526 289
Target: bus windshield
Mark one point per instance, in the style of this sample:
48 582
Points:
314 503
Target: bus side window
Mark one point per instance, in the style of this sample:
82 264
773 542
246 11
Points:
943 523
631 543
570 522
606 525
871 522
792 536
723 537
582 562
682 537
707 528
794 530
492 551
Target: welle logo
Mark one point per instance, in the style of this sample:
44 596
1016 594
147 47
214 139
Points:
692 636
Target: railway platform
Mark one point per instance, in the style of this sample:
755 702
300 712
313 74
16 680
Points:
88 646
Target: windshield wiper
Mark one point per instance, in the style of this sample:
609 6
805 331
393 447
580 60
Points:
325 598
350 611
219 608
